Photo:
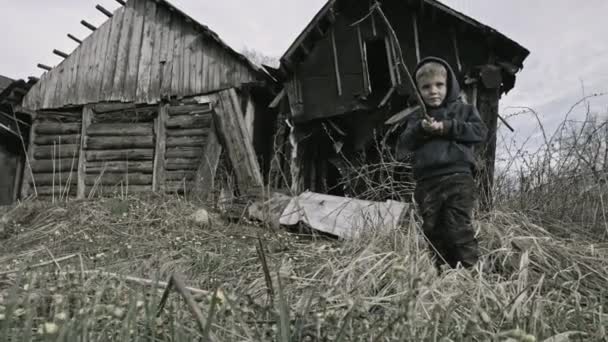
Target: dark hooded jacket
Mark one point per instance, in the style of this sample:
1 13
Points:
452 150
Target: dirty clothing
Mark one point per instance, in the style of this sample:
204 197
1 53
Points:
452 151
446 205
443 168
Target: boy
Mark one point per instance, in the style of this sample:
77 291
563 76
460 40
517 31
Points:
444 162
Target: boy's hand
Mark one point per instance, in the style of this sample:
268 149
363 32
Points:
435 127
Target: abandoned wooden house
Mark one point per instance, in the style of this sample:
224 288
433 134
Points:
13 127
151 100
342 83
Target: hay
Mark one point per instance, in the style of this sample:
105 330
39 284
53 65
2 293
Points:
374 288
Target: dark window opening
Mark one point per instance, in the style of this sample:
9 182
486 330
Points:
378 66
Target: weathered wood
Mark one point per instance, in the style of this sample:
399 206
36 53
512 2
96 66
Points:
196 109
87 118
88 25
60 53
104 11
147 49
250 117
189 121
56 152
277 99
58 128
233 133
179 176
173 164
162 28
127 130
74 72
120 167
44 67
167 56
205 174
416 36
110 107
192 132
115 179
130 85
186 141
54 165
109 71
70 139
364 68
103 61
72 37
160 150
118 155
336 63
178 48
122 60
47 191
126 142
185 152
58 179
29 160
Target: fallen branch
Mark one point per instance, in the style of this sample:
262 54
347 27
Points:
42 264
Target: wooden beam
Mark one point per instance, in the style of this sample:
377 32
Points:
456 50
364 68
277 100
104 11
44 67
60 53
72 37
121 2
336 65
416 36
161 148
87 25
87 118
29 160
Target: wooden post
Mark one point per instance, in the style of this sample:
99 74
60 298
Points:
230 125
487 104
104 11
18 177
416 37
250 117
72 37
87 118
29 160
336 64
205 175
160 131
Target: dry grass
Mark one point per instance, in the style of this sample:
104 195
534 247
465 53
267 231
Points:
377 288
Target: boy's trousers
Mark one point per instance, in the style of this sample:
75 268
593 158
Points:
446 206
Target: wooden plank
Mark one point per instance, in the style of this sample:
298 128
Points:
195 64
73 84
250 117
58 151
58 99
334 48
57 139
111 56
57 179
205 174
87 118
122 57
232 130
190 109
102 59
167 56
185 152
116 178
99 38
119 143
129 130
54 165
108 107
187 63
364 68
120 167
49 94
84 69
163 22
416 36
178 48
160 150
200 56
186 141
130 85
174 164
147 50
47 191
189 121
29 160
192 132
58 128
205 65
120 155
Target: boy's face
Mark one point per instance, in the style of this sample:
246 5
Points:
433 89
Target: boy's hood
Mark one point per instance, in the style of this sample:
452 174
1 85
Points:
453 91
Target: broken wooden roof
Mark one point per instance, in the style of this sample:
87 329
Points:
147 50
510 49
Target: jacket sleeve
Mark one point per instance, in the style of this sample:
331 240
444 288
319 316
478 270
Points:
413 136
471 130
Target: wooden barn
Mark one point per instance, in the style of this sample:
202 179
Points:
151 100
343 84
14 131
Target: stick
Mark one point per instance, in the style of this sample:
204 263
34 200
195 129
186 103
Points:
506 123
87 25
164 298
72 37
183 290
104 11
54 261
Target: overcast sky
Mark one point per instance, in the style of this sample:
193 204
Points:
567 40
